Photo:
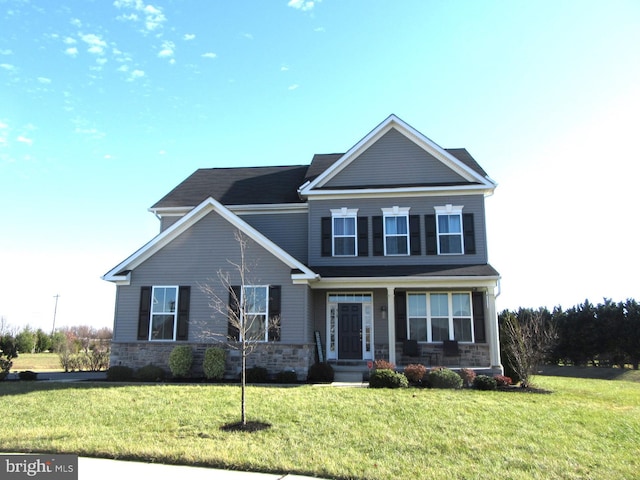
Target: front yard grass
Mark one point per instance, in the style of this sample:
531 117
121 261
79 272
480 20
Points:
585 429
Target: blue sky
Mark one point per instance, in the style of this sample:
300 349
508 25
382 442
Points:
107 105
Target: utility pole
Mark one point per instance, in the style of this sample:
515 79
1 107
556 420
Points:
55 309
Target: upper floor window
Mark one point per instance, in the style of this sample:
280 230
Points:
449 230
345 232
396 230
164 303
435 317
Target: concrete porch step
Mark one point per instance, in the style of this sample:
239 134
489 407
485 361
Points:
345 376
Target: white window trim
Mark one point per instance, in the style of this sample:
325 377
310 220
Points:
266 312
449 210
451 315
175 314
367 323
344 213
395 212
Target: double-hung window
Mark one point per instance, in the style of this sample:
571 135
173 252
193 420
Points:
164 308
449 230
345 232
396 231
256 312
439 316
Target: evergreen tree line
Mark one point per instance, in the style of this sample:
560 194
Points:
604 335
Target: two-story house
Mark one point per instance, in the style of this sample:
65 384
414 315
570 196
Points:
376 253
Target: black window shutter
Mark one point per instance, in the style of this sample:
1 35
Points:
414 234
478 317
327 240
363 236
401 315
144 314
184 297
431 234
274 313
378 236
468 230
233 332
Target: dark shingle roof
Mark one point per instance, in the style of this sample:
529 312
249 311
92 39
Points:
238 186
262 185
484 270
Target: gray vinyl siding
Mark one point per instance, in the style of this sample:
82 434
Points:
166 222
288 231
419 206
394 154
194 258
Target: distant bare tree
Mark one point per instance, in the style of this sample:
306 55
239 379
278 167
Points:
528 341
246 329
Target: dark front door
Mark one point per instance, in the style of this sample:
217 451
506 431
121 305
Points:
350 331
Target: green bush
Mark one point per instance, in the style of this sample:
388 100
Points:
120 373
287 376
415 373
485 382
257 375
385 378
320 372
444 378
180 360
28 375
213 363
150 373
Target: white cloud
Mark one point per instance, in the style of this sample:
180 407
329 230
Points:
319 29
44 80
7 66
70 41
76 22
123 68
303 5
3 125
101 61
153 16
71 51
248 36
6 52
96 44
295 86
168 49
209 55
135 75
188 36
25 140
284 68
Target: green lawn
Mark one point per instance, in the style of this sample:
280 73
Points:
37 362
585 429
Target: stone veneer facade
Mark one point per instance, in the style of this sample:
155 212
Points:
275 357
472 355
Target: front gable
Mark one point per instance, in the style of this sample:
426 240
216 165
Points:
121 274
394 156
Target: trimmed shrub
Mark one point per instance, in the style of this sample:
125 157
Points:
385 378
467 376
444 378
320 372
150 373
287 376
120 373
28 375
180 360
257 375
415 373
213 363
502 381
485 382
383 365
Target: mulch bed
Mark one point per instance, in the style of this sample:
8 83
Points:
250 426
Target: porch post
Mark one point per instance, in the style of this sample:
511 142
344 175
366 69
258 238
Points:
494 331
391 323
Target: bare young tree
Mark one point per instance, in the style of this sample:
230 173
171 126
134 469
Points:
246 327
528 342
